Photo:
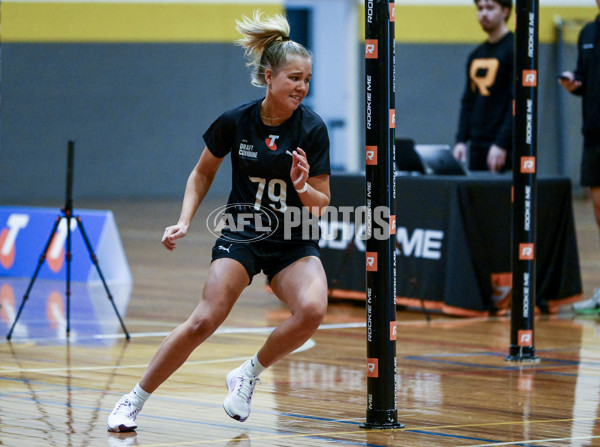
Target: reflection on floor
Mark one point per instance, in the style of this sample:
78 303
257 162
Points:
43 318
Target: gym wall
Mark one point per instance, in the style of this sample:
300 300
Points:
135 84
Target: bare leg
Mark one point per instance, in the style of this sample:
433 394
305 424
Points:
303 287
226 280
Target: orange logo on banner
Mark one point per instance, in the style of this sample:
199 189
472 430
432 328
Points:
525 337
372 367
371 49
56 252
371 155
371 261
8 238
392 224
529 78
392 118
526 252
6 259
527 165
392 330
392 12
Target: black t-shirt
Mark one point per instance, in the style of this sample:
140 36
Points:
486 107
262 191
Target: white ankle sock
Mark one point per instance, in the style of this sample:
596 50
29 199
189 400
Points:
140 394
253 366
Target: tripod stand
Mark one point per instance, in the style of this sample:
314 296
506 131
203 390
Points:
67 213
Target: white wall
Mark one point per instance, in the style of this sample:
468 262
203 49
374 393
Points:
336 85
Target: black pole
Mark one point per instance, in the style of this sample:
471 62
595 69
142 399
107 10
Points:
524 208
381 214
69 181
68 212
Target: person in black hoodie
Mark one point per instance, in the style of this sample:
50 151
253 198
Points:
585 82
485 121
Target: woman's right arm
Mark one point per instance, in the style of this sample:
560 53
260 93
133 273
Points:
197 186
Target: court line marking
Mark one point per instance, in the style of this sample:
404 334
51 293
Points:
233 330
306 346
221 330
578 438
115 367
342 421
236 330
547 365
327 436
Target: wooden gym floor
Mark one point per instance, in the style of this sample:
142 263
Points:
454 386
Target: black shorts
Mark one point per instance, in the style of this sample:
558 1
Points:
268 256
590 166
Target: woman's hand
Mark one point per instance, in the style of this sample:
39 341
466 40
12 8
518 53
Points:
171 233
300 169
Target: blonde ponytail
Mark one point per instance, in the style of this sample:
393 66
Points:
267 44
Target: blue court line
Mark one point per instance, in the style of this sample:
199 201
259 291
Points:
470 438
58 388
258 430
183 401
428 358
545 362
498 354
234 426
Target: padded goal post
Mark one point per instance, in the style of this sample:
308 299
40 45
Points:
380 200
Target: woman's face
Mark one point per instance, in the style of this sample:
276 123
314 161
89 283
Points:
289 86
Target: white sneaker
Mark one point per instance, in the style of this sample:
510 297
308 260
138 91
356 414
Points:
241 387
122 418
592 304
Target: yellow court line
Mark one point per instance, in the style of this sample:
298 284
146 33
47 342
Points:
325 434
351 432
495 424
532 441
264 438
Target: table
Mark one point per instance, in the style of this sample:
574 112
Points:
454 243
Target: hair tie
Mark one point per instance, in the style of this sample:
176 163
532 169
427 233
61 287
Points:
284 38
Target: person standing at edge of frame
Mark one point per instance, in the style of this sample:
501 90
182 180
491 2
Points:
279 152
585 82
485 121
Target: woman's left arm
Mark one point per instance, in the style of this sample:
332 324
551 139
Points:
314 191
